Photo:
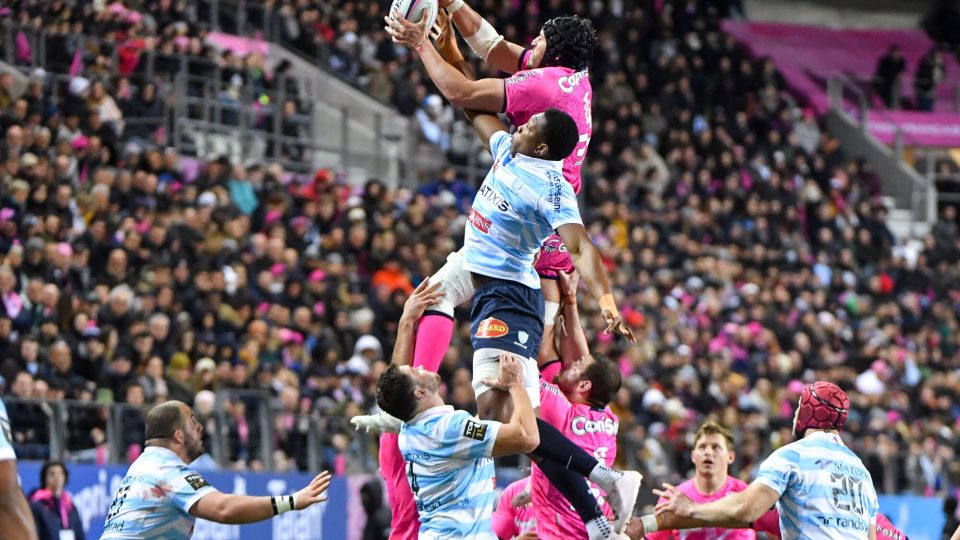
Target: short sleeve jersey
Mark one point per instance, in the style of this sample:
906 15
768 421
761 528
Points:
154 499
532 91
825 491
450 469
521 202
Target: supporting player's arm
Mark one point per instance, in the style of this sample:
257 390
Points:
15 513
484 95
482 38
572 341
587 261
425 295
520 435
736 510
240 509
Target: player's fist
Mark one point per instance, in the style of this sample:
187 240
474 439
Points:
313 493
511 373
568 283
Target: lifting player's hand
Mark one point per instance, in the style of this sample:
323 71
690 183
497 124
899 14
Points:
511 373
425 295
313 493
568 283
673 501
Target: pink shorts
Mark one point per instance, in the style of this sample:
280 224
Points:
553 257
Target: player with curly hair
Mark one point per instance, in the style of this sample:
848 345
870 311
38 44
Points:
821 488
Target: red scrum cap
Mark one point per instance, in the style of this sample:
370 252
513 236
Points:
823 405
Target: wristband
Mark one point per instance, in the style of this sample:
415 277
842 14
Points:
570 299
282 503
454 6
650 523
550 311
608 303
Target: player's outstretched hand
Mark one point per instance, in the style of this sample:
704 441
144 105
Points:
674 501
425 295
313 493
410 35
511 373
568 283
615 324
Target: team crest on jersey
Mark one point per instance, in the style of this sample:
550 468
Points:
481 223
196 481
474 430
523 337
492 328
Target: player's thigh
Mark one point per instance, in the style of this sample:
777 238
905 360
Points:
486 367
455 283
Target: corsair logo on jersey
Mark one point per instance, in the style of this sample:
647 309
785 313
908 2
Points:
481 223
583 426
570 82
498 201
492 328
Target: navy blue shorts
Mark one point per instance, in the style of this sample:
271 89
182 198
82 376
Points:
506 315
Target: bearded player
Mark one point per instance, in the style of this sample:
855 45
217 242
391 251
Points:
821 488
575 391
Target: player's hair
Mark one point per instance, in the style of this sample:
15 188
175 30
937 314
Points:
395 393
163 420
713 428
560 133
605 381
570 42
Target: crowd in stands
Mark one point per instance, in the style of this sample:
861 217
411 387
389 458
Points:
749 254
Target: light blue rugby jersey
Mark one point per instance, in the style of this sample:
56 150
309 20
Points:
451 473
6 436
520 203
825 491
154 499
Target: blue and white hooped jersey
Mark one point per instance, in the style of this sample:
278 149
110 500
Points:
6 435
825 491
450 470
520 203
154 499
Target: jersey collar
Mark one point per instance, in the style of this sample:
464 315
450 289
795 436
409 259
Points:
431 412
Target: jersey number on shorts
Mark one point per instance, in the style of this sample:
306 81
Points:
847 493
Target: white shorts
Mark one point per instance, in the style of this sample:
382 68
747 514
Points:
486 365
455 283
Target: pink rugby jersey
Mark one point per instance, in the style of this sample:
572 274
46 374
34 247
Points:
689 488
509 521
592 429
533 91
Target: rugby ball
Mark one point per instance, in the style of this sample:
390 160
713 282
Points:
416 10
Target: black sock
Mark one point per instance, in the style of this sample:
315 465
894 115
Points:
555 447
574 488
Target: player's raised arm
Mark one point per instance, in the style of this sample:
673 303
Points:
587 260
485 94
239 509
483 38
572 341
425 295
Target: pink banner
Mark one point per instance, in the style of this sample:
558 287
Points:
919 129
240 46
